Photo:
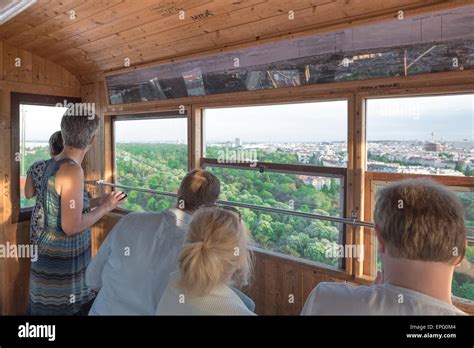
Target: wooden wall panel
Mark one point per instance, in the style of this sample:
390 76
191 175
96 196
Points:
29 77
39 70
256 288
4 116
273 287
292 295
10 54
1 60
26 67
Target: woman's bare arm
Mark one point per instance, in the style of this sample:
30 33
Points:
30 191
70 186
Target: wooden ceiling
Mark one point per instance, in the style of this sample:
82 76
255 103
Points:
94 36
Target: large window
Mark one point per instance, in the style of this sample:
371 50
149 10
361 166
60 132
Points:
37 124
304 133
423 136
150 153
291 157
34 118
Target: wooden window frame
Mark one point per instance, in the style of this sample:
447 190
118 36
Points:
16 99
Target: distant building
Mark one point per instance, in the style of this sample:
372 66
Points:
436 147
238 142
304 157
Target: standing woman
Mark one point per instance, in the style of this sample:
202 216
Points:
58 284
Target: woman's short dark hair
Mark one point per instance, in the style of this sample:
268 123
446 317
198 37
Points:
198 188
56 145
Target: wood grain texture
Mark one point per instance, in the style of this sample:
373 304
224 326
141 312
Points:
94 36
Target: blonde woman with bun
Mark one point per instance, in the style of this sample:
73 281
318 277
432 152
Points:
215 257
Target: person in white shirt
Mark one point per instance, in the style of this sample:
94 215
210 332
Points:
215 255
422 237
133 265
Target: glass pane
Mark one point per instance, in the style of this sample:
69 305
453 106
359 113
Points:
463 279
144 201
301 237
37 124
151 153
304 133
421 135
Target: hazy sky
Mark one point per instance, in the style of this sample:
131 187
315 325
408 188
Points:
448 117
41 121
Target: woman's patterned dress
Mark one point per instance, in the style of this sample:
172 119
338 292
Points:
58 277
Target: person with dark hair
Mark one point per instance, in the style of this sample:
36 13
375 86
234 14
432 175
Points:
33 183
133 264
57 282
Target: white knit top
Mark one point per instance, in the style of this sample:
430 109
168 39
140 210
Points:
221 301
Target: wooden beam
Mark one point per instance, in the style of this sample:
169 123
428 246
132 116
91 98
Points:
359 175
195 137
1 62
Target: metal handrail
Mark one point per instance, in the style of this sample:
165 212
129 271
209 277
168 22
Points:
346 221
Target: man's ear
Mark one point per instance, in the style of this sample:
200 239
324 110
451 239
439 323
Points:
380 240
458 261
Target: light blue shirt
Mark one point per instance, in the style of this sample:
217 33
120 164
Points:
133 265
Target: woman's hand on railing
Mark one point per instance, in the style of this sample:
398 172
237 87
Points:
112 199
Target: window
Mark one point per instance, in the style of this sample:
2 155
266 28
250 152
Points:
291 157
150 153
292 235
34 118
421 135
304 133
37 124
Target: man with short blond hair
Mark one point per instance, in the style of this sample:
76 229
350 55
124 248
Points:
422 237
